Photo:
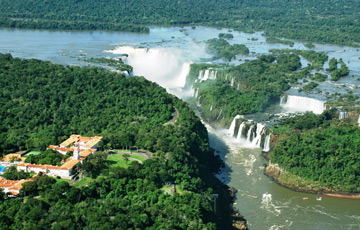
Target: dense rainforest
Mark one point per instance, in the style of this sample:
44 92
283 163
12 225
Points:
319 21
252 86
43 103
321 149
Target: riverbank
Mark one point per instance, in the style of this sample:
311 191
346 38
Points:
298 184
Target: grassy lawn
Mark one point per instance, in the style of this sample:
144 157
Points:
33 153
115 160
82 182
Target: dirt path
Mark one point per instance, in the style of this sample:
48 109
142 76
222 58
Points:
175 117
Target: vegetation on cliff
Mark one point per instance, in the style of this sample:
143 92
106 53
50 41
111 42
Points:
321 149
247 88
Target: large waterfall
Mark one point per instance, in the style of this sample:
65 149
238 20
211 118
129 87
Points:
343 115
165 66
359 120
302 104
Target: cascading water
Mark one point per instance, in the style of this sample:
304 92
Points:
267 143
260 130
242 125
196 92
253 135
302 104
212 74
198 102
232 82
233 124
165 66
219 114
249 134
207 74
210 108
343 115
359 120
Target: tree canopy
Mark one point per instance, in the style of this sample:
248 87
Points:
320 148
313 20
43 103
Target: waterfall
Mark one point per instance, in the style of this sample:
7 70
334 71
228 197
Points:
196 92
267 143
249 134
254 134
207 74
343 115
166 67
210 108
212 74
232 82
240 130
238 87
198 102
233 124
359 120
260 130
302 104
219 114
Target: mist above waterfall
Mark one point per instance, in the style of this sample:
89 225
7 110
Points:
167 66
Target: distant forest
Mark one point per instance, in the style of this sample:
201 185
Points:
330 21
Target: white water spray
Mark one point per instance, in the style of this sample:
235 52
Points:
165 66
266 198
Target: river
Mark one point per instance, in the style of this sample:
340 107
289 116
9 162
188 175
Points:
164 56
